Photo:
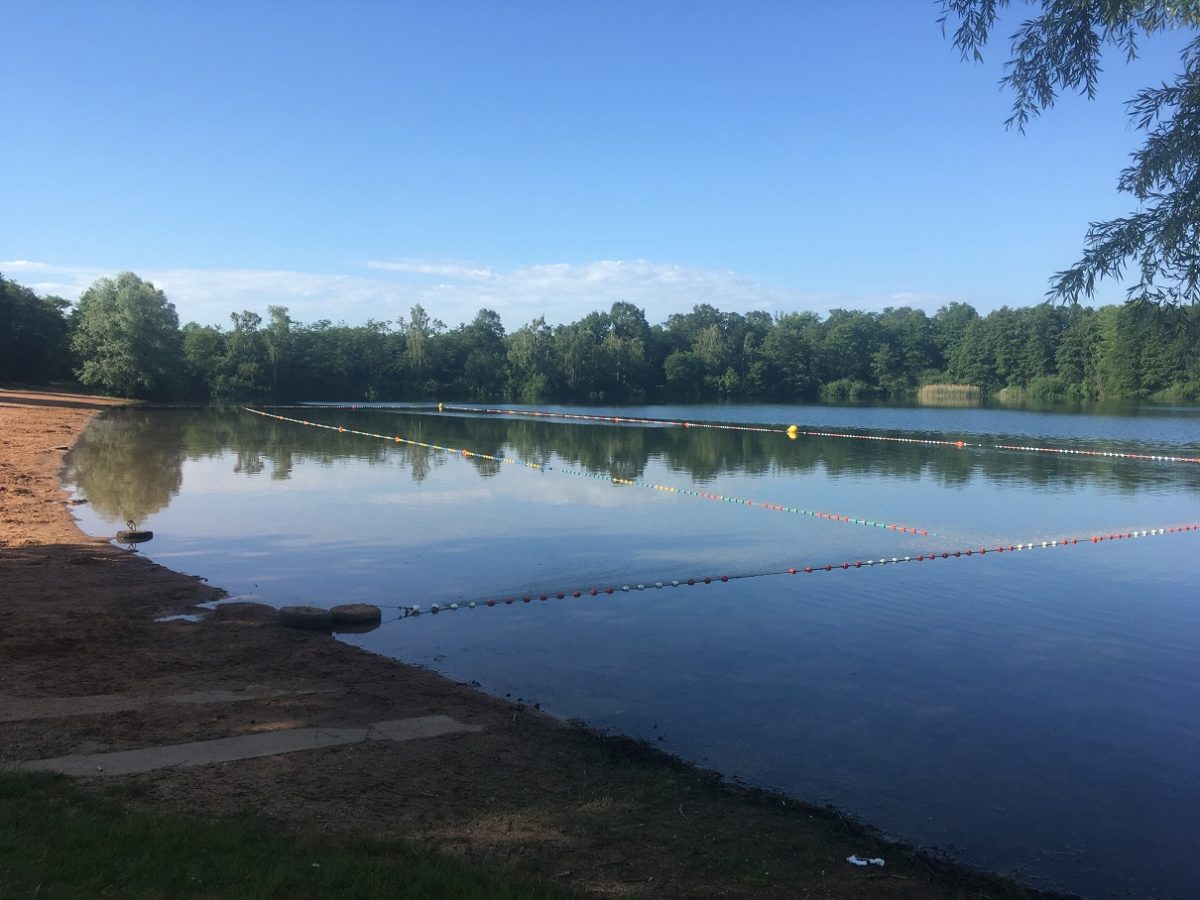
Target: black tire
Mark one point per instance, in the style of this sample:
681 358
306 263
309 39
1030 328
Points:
134 537
356 614
310 618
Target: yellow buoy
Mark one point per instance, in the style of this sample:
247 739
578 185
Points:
792 431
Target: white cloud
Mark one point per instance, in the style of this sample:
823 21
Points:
425 267
563 292
454 291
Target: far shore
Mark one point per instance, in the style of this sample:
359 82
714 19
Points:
524 795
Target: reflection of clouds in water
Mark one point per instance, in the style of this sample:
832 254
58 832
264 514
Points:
600 494
211 476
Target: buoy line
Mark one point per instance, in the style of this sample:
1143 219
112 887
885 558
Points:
409 610
795 430
792 431
612 479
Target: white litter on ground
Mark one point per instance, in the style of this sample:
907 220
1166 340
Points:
857 861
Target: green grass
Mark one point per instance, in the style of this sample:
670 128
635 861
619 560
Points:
57 841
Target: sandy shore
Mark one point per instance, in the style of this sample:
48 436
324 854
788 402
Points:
525 793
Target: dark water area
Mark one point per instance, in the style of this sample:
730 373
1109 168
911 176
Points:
1034 712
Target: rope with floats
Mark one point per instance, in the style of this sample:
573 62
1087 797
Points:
612 479
791 431
410 610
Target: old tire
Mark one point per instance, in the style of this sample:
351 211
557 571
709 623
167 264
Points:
356 614
309 618
133 537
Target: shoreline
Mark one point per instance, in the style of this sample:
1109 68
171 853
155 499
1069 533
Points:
526 794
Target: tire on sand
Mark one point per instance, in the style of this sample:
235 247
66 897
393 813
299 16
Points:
309 618
133 537
356 615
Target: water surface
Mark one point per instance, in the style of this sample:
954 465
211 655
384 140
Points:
1032 712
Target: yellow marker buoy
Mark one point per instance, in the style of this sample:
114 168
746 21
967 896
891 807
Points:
440 407
792 431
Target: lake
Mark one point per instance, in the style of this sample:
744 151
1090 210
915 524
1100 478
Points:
1035 711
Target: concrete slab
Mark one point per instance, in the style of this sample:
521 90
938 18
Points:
19 709
249 746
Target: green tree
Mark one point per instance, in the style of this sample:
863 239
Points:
848 342
911 334
203 354
950 325
420 351
128 338
1075 356
1061 49
581 357
483 370
34 335
685 375
243 372
624 351
972 359
531 362
277 341
789 354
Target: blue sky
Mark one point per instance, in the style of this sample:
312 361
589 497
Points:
541 158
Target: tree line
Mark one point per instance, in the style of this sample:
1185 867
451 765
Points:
123 337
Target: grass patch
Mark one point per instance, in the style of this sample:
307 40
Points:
57 841
949 395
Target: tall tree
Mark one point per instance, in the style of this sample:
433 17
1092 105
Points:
1061 49
34 335
128 338
420 333
243 372
531 361
277 341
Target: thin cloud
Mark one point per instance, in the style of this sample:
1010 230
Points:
455 291
424 267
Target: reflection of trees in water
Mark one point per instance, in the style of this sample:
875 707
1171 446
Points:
129 466
705 454
129 462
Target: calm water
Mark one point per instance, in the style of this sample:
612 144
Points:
1033 712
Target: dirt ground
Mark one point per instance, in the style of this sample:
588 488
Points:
526 794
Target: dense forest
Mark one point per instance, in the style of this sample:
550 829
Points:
124 337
